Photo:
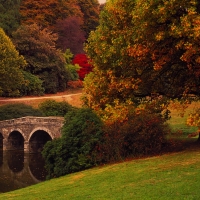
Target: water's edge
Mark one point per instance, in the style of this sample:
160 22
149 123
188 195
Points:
19 170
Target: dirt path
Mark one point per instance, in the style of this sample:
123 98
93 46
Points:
72 97
38 98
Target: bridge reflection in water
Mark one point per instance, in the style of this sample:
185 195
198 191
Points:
19 170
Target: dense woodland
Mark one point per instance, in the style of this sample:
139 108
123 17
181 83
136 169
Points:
44 36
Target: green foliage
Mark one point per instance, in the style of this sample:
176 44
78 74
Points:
77 149
72 69
54 108
33 85
9 15
11 64
11 111
37 45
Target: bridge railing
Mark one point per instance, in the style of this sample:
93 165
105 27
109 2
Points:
32 120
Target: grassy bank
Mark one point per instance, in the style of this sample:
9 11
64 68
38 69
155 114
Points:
171 176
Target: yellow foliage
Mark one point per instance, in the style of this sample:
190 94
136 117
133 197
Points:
194 118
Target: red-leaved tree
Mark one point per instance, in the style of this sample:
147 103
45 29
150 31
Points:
84 63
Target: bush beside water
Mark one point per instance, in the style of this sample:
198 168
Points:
86 141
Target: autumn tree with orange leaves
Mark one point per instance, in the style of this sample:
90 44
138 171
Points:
46 13
143 47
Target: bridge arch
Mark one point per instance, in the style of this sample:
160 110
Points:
41 129
38 138
15 140
27 127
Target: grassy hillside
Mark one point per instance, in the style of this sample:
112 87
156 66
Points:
171 176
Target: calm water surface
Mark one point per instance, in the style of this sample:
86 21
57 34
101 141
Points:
19 170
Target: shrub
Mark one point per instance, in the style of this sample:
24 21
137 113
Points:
54 108
78 148
84 63
70 67
140 133
75 84
144 133
11 111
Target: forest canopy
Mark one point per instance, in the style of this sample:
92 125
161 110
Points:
42 32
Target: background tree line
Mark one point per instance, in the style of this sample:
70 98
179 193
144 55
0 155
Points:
41 32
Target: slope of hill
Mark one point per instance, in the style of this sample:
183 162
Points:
170 176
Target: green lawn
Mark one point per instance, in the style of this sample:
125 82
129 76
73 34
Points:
170 176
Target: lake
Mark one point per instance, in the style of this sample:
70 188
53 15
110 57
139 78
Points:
19 170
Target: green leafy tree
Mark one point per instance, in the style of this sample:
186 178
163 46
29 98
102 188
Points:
11 111
144 47
38 46
54 108
9 15
11 65
32 85
77 149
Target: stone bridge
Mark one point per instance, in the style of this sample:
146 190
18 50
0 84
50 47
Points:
29 133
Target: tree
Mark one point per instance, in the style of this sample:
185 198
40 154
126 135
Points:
11 66
9 15
70 35
144 47
11 111
38 46
46 13
90 10
77 149
53 108
32 85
